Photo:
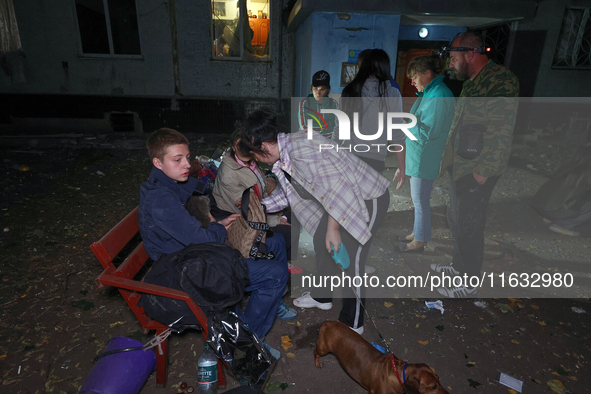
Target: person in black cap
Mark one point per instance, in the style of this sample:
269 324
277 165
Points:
309 108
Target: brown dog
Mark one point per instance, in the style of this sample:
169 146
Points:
369 367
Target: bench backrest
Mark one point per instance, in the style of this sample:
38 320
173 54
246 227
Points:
109 246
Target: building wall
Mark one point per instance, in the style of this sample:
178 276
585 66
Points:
535 45
323 42
54 63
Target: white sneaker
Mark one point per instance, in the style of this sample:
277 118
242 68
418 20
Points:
306 301
457 292
448 269
369 269
358 330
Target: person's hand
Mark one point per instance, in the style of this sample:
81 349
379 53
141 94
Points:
229 220
283 221
239 203
479 178
400 176
333 237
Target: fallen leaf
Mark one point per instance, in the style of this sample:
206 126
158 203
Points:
388 304
286 345
290 355
504 308
473 383
512 391
440 328
561 371
423 342
515 341
556 386
541 323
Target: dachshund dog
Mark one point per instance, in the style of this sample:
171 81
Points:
372 369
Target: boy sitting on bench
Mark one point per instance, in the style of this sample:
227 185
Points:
167 227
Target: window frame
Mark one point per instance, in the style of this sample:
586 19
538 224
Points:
112 54
243 15
558 63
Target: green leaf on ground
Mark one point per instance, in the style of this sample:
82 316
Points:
504 308
83 304
561 371
273 386
137 335
440 328
473 383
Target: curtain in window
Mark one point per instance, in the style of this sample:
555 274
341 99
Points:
10 38
12 57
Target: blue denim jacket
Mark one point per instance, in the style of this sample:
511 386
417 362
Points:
165 224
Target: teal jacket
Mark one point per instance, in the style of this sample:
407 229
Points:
434 110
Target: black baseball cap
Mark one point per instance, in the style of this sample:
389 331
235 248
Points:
321 78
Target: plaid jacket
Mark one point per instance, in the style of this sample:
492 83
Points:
339 182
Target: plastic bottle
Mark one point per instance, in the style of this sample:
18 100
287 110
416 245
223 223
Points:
207 371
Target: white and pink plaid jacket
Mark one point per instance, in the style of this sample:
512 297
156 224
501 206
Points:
339 181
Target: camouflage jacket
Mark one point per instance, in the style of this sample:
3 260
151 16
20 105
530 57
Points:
490 99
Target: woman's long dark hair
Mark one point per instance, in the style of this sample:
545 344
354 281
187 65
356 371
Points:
376 64
260 126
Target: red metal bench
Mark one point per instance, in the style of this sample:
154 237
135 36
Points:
122 278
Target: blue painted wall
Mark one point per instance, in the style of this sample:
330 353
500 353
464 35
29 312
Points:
436 33
323 43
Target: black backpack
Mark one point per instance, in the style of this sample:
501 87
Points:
214 275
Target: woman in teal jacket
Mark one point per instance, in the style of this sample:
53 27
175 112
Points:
434 110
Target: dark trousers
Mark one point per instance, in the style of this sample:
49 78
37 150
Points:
290 233
352 312
267 284
466 217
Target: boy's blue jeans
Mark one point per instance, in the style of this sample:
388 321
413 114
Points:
420 191
267 283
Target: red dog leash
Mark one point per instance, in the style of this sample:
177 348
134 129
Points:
395 368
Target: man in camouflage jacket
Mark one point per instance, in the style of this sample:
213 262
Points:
487 106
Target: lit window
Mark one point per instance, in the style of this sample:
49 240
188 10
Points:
240 29
573 49
108 27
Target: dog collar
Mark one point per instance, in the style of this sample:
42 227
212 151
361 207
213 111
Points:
395 368
404 373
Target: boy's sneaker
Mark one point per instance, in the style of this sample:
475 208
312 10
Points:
274 352
457 292
286 313
448 269
359 330
561 230
306 301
